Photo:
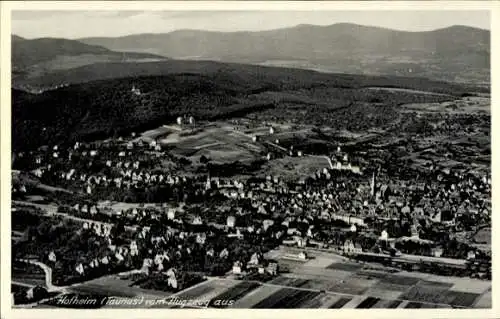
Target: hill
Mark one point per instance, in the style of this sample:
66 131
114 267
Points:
207 90
237 72
456 53
41 56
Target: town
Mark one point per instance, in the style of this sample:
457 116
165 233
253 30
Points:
249 202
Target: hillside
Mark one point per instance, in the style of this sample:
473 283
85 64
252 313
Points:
237 72
456 53
208 91
41 56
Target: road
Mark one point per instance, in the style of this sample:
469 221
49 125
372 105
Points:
48 275
51 210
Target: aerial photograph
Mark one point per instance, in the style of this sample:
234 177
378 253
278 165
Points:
250 159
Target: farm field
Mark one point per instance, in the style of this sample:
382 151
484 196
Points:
255 296
114 286
217 141
345 284
27 274
465 105
295 166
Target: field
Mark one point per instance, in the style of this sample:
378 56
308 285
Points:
27 274
343 284
234 293
219 142
465 105
483 236
295 166
114 286
286 298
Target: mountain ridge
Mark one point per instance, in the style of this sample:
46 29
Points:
302 25
48 53
452 54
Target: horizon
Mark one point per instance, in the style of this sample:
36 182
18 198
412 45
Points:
47 24
244 31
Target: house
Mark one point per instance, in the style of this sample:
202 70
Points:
197 220
201 238
146 264
255 259
384 235
105 260
224 253
170 213
94 263
119 257
272 268
351 248
93 210
231 220
437 251
52 256
266 223
301 242
79 269
172 282
471 255
237 268
84 208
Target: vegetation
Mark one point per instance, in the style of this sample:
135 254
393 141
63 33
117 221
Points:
109 107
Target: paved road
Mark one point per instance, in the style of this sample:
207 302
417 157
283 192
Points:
51 210
48 275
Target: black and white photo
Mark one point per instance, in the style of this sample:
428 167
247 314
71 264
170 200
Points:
250 159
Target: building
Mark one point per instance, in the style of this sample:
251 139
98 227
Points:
237 268
373 185
351 248
231 220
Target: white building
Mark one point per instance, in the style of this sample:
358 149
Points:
231 220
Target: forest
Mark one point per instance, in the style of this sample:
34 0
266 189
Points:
104 108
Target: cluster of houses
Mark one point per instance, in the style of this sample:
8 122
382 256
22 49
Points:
347 198
341 192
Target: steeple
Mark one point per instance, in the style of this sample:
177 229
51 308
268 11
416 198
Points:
373 184
208 184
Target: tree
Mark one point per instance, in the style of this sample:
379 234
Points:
204 160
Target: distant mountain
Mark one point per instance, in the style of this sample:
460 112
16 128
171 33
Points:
457 53
40 56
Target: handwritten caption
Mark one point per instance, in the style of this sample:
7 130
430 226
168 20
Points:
139 301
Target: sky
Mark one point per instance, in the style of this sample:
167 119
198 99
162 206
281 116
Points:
79 24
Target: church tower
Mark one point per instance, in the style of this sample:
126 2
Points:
373 184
